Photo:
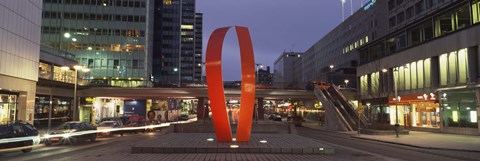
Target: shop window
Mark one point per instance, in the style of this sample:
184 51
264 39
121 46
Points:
443 69
45 71
8 108
460 109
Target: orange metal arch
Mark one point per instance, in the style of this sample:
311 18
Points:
216 92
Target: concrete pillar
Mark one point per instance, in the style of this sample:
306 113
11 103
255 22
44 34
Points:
435 72
201 108
472 65
261 110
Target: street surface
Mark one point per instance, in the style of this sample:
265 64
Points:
347 148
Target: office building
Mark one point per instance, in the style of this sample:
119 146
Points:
334 58
430 57
110 37
19 54
177 52
287 71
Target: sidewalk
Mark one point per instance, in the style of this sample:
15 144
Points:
419 139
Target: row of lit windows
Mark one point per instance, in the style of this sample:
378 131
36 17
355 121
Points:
93 16
97 47
118 3
355 45
94 31
454 67
417 75
118 64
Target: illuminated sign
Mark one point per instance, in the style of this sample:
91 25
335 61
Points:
369 4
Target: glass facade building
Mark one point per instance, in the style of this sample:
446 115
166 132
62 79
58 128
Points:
177 53
107 36
431 59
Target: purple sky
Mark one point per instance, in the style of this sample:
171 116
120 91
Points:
275 26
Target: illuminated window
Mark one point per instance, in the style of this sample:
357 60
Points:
455 116
366 39
167 2
413 73
462 66
473 116
190 27
420 73
408 79
443 69
476 11
452 67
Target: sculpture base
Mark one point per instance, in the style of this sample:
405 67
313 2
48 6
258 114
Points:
259 143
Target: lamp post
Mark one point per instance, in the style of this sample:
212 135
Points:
346 83
331 74
201 76
343 9
258 66
85 70
397 126
179 77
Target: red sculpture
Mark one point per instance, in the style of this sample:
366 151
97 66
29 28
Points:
216 92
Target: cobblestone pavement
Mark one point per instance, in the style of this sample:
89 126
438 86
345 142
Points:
119 149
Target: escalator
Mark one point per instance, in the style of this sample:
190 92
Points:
340 114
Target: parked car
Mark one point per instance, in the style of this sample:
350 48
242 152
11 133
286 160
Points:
275 117
71 132
109 128
117 119
183 117
18 135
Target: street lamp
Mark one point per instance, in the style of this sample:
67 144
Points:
201 76
77 68
179 76
346 83
259 66
331 74
397 126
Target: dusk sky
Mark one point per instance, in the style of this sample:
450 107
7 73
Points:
275 26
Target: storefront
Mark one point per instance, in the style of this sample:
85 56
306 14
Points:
8 106
460 109
61 110
415 110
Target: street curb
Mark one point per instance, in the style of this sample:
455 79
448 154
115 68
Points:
416 146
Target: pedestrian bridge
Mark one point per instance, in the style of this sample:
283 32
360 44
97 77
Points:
153 93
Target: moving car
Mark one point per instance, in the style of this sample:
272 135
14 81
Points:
71 132
18 135
109 128
135 124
